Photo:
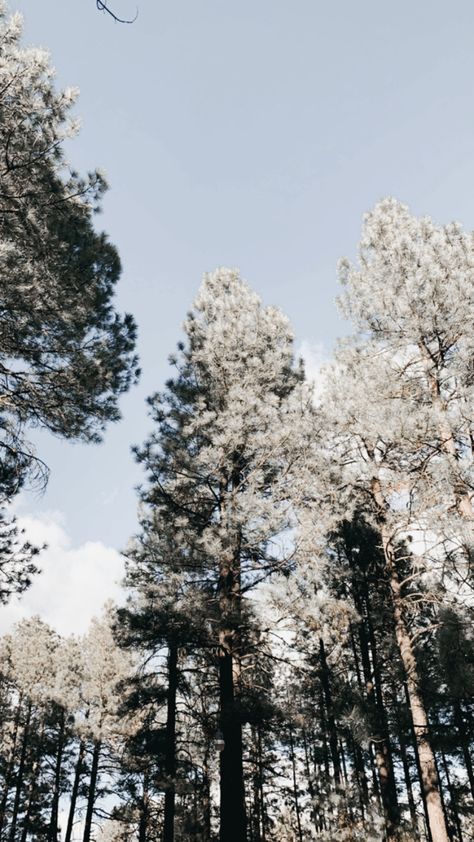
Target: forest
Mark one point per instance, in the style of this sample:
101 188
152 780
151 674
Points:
294 658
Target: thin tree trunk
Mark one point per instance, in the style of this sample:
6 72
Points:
463 738
75 791
233 819
263 811
295 786
92 792
380 739
254 823
53 830
407 775
309 778
452 798
143 824
31 790
20 773
10 764
170 745
324 730
206 806
333 746
358 764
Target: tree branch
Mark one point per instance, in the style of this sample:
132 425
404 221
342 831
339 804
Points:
103 7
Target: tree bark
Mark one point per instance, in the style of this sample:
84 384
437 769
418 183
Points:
427 763
144 810
452 798
92 792
380 737
295 786
463 738
20 773
31 790
406 773
75 791
233 817
333 743
53 829
232 808
206 801
10 764
170 744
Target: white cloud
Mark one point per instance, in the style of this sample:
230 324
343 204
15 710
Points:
75 582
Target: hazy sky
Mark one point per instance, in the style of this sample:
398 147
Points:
252 134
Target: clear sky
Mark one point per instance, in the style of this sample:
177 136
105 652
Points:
252 134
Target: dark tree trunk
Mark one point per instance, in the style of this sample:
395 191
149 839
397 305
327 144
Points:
295 786
32 789
10 765
75 791
373 690
53 829
232 808
20 773
170 745
453 803
464 742
309 778
92 792
144 809
331 722
358 765
233 818
407 775
206 802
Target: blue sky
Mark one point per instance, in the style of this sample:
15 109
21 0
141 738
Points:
251 134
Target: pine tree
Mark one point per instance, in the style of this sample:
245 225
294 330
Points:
66 354
222 468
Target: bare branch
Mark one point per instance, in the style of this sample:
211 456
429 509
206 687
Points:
103 7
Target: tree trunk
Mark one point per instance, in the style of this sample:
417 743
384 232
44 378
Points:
92 792
427 763
380 737
407 773
295 786
53 829
10 764
309 778
206 801
233 818
143 824
232 808
452 798
20 773
75 791
32 790
463 738
170 744
333 745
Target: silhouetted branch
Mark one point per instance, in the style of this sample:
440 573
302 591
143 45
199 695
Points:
103 7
